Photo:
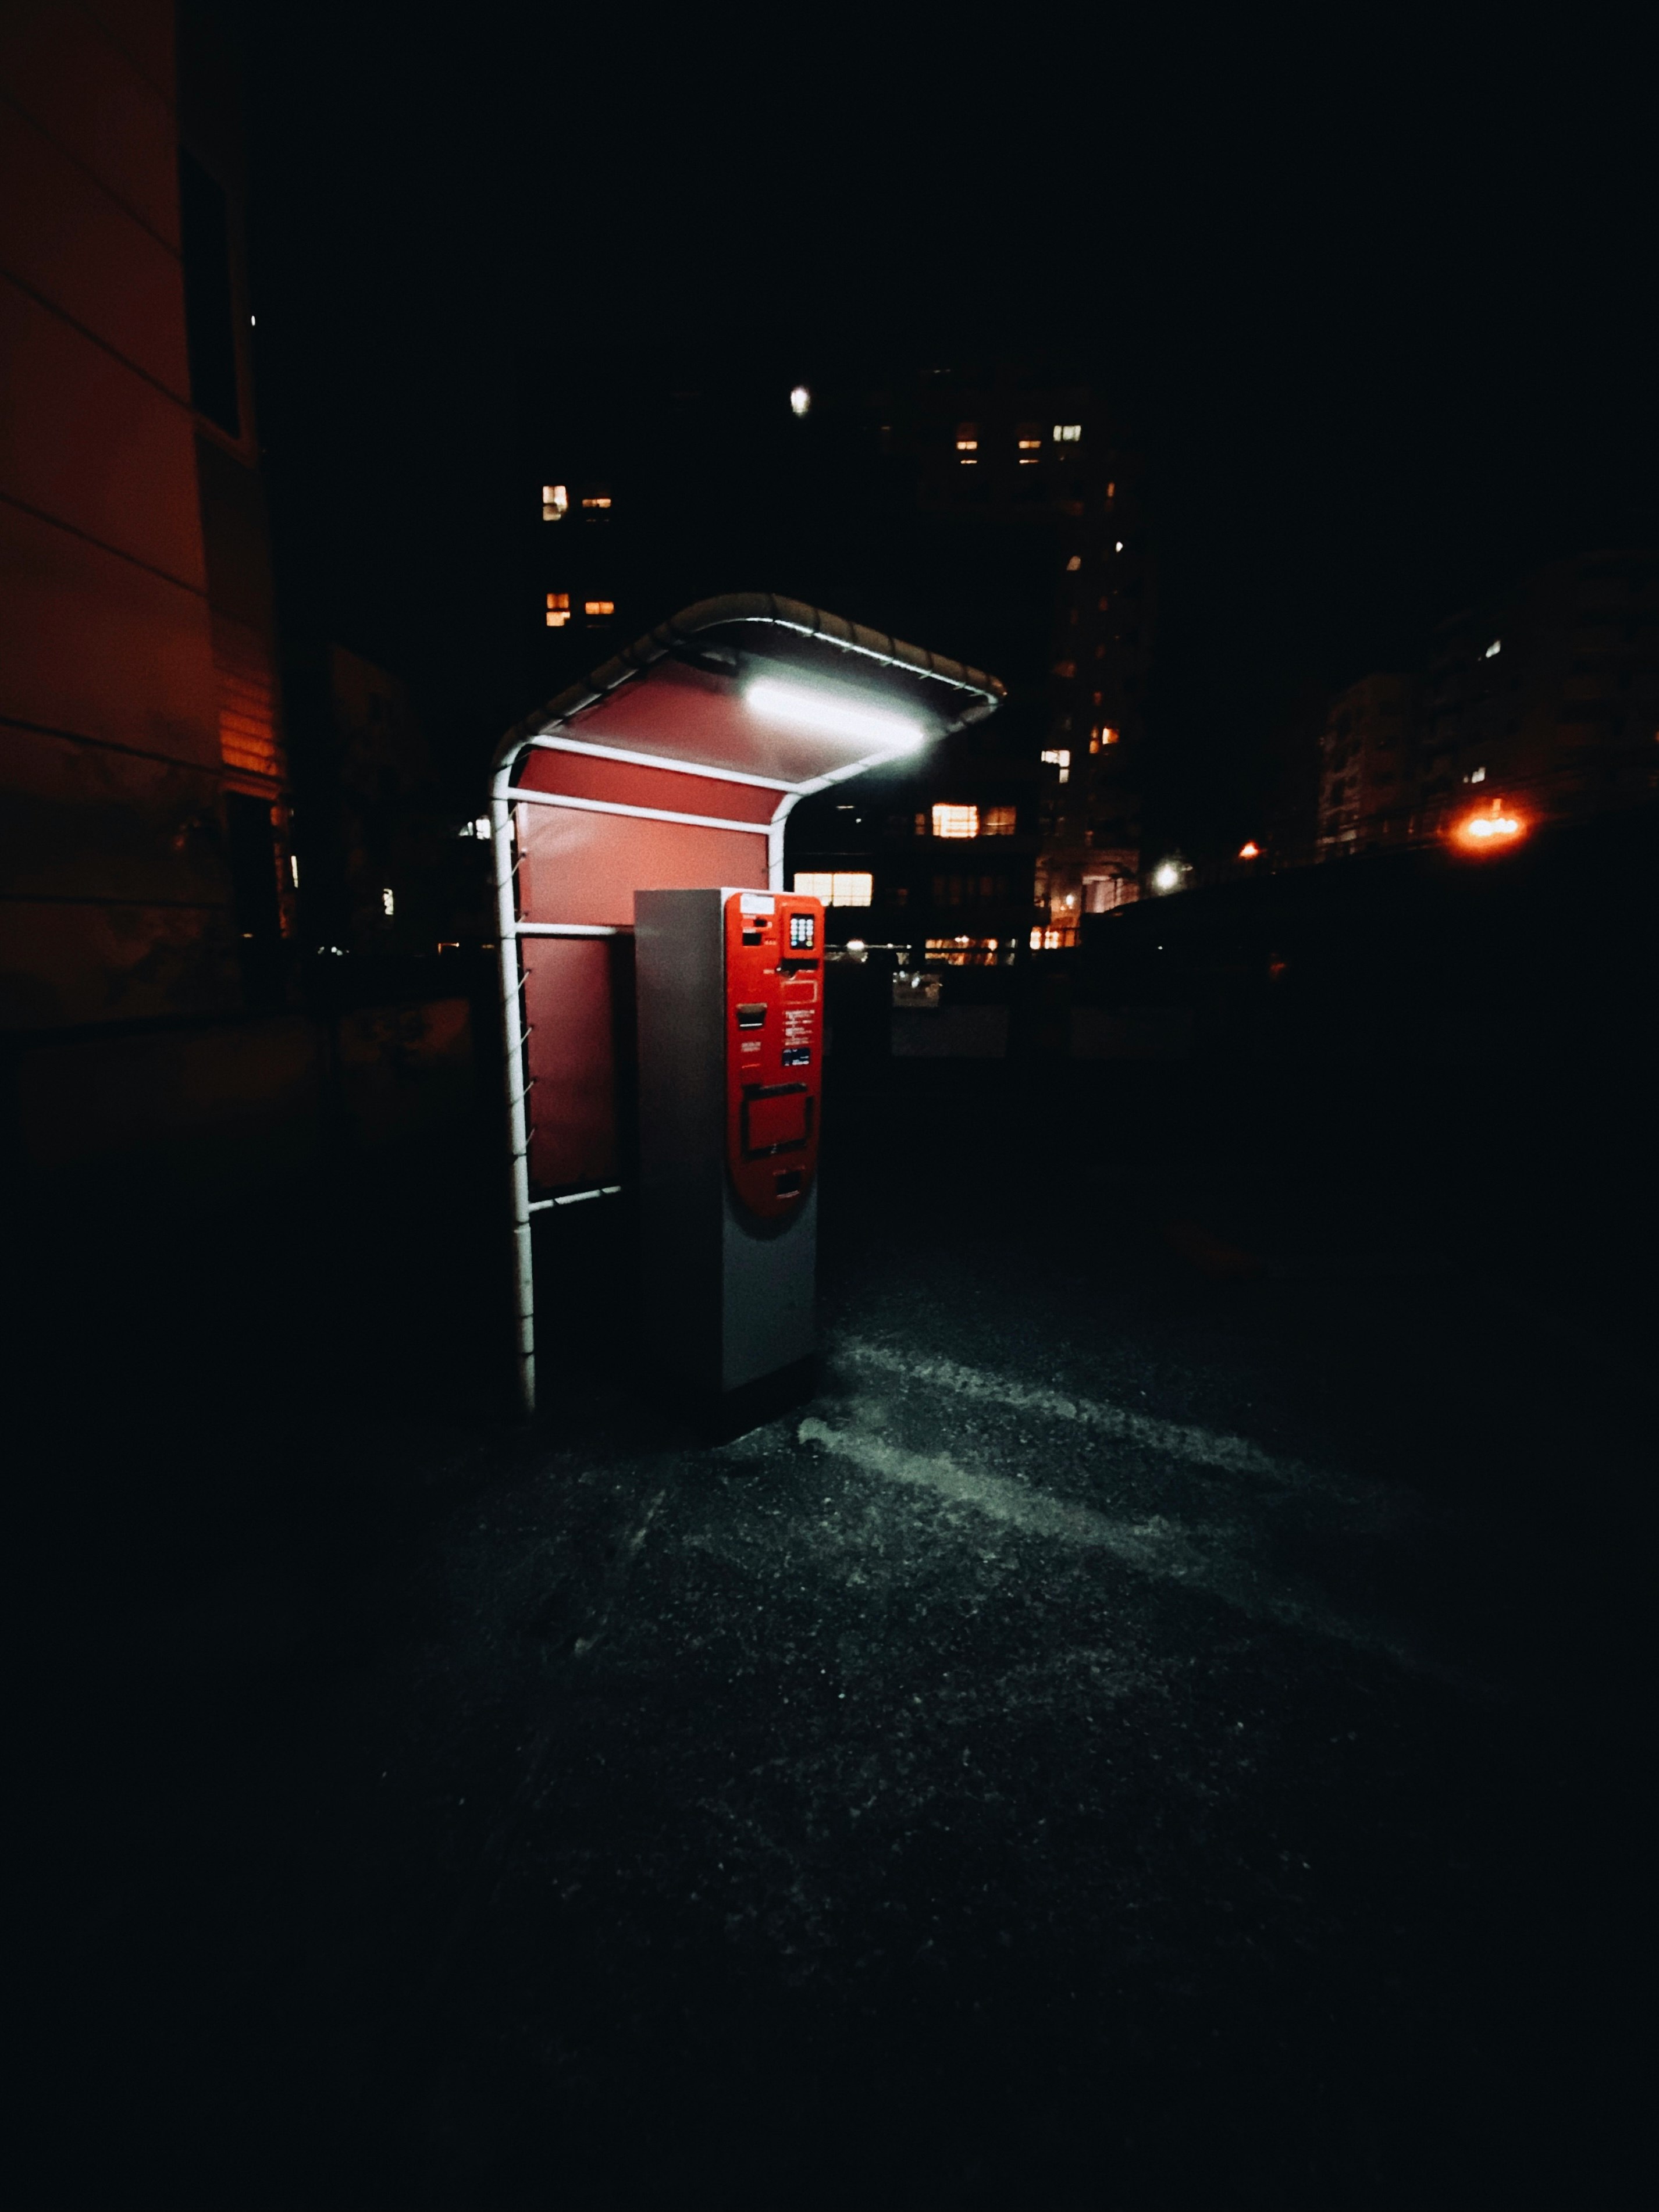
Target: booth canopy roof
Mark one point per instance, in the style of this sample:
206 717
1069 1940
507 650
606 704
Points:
764 686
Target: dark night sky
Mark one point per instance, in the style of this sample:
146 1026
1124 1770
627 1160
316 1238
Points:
1378 300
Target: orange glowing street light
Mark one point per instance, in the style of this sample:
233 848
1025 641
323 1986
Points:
1496 826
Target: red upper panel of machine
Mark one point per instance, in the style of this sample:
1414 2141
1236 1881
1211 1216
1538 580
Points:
773 1047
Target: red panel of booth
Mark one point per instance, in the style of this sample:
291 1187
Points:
580 867
627 783
570 1006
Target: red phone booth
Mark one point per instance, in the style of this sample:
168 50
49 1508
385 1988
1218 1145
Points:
671 770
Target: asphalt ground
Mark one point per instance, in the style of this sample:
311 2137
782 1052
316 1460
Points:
1163 1728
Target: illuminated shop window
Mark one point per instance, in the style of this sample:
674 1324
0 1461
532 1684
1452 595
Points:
1060 757
598 606
597 502
998 822
838 887
558 610
1054 939
956 822
1067 434
555 501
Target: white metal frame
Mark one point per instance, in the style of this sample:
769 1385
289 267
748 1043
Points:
504 796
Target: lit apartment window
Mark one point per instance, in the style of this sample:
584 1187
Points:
1493 649
388 904
1060 758
558 610
1067 434
1477 775
556 500
956 822
1074 564
1054 939
998 822
1103 736
839 887
968 445
602 500
1111 491
1030 451
598 606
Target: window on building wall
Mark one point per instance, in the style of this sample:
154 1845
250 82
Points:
598 609
209 309
598 504
1105 735
1067 434
1059 756
999 822
838 886
1111 491
956 822
558 610
968 444
555 503
1028 444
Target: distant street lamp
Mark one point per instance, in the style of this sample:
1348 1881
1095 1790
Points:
1250 850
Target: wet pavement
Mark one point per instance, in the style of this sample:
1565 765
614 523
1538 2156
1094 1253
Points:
1160 1729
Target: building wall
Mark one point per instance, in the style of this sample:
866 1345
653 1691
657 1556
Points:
1547 698
1370 780
136 683
1543 701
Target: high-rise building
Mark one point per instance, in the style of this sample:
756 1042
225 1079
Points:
1547 697
1370 775
1047 494
997 513
1538 704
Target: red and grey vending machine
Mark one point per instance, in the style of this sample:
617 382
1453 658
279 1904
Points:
730 993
